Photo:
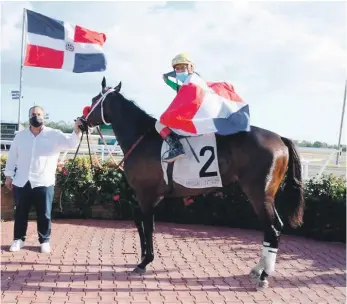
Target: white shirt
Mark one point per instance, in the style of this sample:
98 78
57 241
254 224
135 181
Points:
35 158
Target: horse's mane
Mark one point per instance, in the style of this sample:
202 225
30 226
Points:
143 120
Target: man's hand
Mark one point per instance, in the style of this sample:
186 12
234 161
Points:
78 123
8 183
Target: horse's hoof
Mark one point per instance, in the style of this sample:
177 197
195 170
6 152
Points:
255 275
139 270
262 284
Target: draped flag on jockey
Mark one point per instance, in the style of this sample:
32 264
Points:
203 108
55 44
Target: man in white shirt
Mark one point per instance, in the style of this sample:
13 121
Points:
30 171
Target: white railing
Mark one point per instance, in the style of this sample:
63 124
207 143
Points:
98 149
95 148
115 149
306 162
6 144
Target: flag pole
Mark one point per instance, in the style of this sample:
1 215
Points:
341 126
21 72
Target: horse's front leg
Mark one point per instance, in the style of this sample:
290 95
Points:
148 225
138 217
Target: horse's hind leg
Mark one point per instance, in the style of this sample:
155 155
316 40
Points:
272 232
264 206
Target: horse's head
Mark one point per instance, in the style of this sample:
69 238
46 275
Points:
95 114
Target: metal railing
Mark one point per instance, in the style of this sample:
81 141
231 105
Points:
103 150
95 148
306 162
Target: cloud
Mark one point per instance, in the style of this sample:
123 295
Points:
280 56
11 26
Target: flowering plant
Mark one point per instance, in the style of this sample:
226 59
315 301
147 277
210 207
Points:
84 186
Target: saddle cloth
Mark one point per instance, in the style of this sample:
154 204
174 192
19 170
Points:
190 173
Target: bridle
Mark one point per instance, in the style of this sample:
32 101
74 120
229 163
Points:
85 130
101 102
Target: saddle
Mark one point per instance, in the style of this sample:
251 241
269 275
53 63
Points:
170 166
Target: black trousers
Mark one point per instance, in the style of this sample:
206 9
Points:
42 199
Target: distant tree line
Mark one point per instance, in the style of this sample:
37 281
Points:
68 128
317 144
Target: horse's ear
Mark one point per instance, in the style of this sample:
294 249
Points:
118 87
103 83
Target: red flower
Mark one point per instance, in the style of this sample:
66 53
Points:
65 172
187 201
86 110
116 197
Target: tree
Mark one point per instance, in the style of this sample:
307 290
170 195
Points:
317 144
305 143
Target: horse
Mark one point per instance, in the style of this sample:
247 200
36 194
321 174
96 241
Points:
259 160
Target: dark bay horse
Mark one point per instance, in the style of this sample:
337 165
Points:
258 160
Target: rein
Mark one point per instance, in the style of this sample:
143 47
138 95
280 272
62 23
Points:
126 154
73 162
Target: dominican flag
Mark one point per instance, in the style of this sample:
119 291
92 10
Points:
203 108
55 44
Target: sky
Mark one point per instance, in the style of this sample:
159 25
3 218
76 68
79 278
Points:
287 60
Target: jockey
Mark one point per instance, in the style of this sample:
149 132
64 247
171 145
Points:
183 67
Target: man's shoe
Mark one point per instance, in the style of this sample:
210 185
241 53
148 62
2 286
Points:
16 245
45 248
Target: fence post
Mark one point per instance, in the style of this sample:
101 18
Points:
326 163
102 152
304 169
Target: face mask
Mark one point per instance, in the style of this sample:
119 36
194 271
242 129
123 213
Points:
36 121
182 76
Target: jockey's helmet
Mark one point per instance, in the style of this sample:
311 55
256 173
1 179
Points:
182 58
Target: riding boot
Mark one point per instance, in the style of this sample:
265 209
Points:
175 148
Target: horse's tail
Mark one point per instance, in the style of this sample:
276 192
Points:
293 188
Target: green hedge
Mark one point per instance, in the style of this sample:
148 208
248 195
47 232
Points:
324 217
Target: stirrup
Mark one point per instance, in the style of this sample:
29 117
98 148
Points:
171 159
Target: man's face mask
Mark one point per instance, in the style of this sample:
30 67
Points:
36 121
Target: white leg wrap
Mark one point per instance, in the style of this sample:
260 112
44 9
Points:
269 255
266 246
259 267
261 264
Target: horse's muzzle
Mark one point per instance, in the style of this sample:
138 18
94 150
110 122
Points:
84 127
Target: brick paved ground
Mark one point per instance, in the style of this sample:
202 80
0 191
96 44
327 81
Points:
91 261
